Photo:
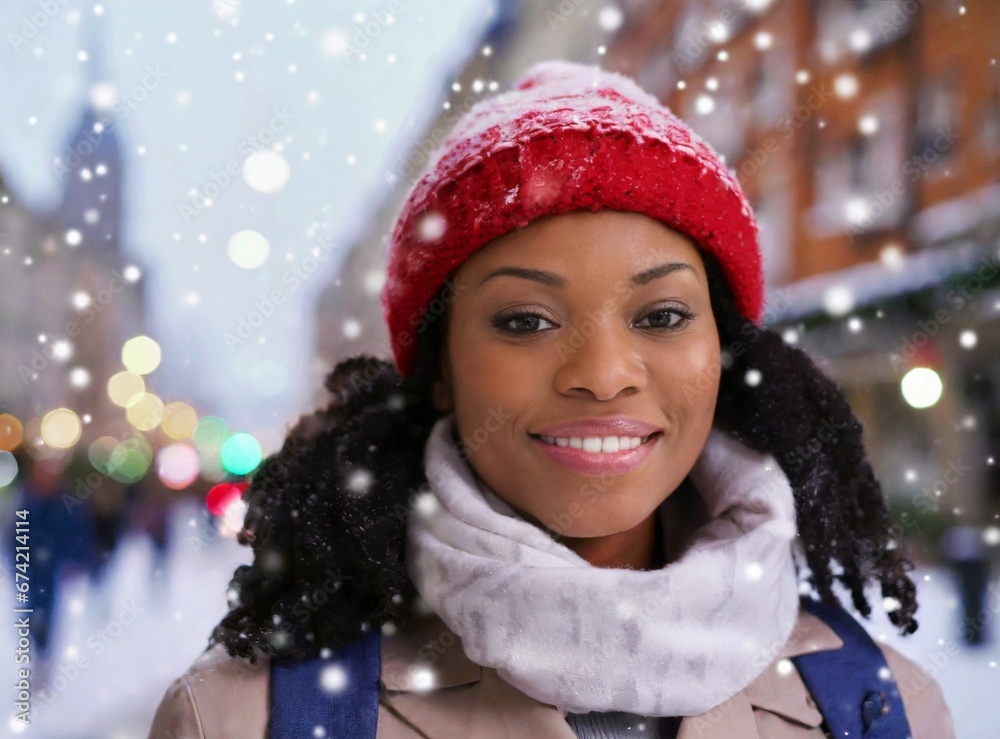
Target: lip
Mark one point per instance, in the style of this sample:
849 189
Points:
599 463
607 426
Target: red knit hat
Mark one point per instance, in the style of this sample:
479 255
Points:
567 137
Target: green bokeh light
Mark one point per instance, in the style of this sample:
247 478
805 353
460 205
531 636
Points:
211 433
130 460
241 454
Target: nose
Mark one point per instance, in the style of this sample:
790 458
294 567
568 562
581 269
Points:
604 364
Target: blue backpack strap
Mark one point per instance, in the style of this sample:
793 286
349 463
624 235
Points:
339 693
853 686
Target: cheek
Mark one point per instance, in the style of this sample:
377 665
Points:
691 378
490 388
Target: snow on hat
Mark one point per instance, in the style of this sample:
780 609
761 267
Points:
567 137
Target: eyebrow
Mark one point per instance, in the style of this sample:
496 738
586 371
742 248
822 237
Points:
554 280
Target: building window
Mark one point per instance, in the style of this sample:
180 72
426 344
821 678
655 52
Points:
773 88
989 117
862 183
937 118
860 26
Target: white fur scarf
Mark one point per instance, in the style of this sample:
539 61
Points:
676 641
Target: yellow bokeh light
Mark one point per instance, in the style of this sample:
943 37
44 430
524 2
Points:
146 412
141 355
61 428
11 432
179 420
125 388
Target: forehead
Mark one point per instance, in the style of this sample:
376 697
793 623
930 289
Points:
603 243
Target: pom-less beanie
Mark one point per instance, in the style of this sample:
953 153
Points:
567 137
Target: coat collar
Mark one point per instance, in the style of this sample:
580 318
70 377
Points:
428 656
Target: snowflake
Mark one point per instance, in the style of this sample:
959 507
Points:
333 679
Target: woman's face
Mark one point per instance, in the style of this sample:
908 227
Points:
608 314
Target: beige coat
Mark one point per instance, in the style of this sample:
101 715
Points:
221 697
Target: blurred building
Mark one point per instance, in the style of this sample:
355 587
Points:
867 136
69 294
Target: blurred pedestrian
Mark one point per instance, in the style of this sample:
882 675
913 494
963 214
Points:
965 549
62 540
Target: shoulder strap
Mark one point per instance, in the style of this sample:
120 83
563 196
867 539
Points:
339 693
853 686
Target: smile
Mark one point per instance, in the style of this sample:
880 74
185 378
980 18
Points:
594 455
597 444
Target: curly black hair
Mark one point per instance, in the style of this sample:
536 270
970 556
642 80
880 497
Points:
327 513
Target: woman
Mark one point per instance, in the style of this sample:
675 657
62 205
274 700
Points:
583 501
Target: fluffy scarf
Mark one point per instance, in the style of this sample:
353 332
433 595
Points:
676 641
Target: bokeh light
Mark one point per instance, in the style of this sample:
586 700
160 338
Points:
141 355
145 412
11 432
248 249
99 453
179 420
232 518
266 171
61 428
130 460
210 434
125 388
241 454
8 468
220 496
921 387
177 465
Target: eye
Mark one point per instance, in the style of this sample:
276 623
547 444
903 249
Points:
527 320
663 314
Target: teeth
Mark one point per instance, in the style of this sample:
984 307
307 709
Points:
596 444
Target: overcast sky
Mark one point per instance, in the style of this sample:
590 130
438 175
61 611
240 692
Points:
202 91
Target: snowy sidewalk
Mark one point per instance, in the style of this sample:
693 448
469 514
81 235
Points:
115 652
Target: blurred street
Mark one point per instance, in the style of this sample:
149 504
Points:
196 200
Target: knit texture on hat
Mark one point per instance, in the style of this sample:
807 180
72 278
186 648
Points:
567 137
